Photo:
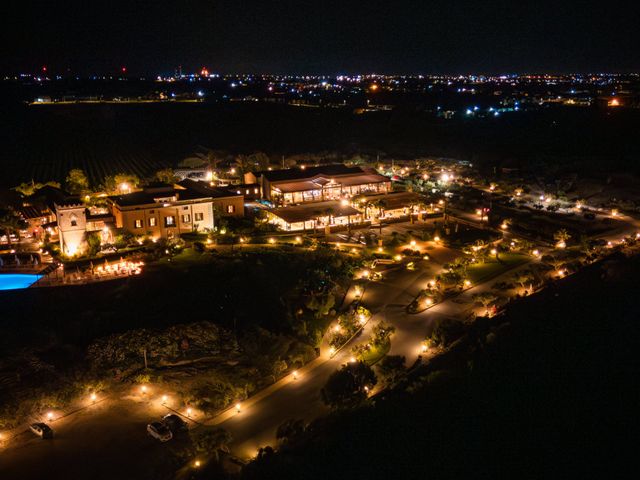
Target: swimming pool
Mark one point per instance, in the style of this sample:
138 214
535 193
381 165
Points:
13 281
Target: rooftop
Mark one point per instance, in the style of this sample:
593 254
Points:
309 172
309 211
183 191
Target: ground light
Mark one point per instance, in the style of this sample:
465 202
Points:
436 238
164 399
93 397
332 350
196 463
295 374
143 389
189 412
413 243
238 407
272 240
49 415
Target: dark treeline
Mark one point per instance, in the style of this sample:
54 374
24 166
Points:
44 142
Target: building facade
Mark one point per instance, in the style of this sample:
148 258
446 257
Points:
320 184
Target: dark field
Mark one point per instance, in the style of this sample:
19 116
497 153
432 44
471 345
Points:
44 142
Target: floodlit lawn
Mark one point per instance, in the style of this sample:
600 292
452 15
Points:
491 268
376 354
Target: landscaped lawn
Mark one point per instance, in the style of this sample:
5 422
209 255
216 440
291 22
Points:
491 268
376 354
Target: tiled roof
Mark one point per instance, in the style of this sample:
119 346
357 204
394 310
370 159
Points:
308 173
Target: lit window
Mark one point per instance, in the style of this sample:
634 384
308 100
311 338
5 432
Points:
231 208
138 224
186 218
170 221
199 216
152 222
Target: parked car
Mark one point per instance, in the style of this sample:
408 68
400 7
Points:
159 431
42 430
175 423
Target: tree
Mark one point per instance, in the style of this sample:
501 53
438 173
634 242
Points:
120 183
29 188
166 175
11 222
210 440
485 298
381 332
76 182
523 277
561 236
447 331
94 242
391 369
347 387
290 429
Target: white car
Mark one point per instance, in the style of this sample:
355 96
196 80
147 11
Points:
42 430
159 431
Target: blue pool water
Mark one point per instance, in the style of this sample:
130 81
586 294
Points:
12 281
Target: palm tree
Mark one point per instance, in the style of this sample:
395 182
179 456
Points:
380 205
11 222
561 236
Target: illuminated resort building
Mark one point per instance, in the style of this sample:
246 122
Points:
156 211
318 184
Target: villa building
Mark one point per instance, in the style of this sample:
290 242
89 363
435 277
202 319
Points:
75 221
156 211
165 211
318 184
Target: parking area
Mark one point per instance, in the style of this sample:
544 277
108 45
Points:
97 443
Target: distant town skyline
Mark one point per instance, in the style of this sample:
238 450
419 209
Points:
402 37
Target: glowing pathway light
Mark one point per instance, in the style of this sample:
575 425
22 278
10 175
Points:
189 411
238 407
49 415
197 463
413 243
143 389
295 374
94 397
164 399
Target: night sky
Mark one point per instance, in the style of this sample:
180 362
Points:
324 36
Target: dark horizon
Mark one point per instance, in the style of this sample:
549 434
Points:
332 38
